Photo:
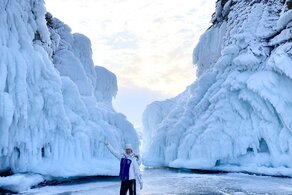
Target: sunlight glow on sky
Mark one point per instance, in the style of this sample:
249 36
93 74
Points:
148 44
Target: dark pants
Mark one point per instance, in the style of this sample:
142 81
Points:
128 185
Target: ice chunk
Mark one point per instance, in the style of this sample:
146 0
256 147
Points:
20 182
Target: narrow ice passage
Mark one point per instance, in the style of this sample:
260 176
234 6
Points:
56 106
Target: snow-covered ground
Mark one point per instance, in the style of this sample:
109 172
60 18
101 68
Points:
167 181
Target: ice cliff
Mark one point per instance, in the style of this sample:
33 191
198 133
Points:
237 115
55 105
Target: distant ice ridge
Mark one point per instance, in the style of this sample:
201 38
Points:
55 105
238 113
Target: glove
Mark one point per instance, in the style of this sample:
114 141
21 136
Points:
141 186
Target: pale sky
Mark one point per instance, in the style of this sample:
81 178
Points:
148 44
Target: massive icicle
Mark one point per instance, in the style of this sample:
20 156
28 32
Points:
239 110
55 105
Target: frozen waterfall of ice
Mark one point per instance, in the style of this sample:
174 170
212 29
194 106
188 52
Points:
55 105
238 114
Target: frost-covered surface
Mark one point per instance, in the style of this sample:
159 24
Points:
55 105
173 182
237 115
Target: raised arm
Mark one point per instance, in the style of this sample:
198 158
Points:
112 150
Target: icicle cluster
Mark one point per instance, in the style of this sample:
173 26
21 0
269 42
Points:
55 105
237 115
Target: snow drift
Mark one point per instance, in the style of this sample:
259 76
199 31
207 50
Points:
55 105
239 110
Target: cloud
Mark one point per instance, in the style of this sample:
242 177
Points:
147 44
149 36
122 40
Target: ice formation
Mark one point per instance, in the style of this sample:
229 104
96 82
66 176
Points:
55 105
238 113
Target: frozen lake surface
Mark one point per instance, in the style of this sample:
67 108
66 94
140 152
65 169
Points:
168 181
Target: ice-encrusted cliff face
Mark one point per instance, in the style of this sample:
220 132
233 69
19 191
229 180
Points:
55 105
239 111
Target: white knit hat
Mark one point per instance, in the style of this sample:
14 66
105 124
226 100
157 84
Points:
129 146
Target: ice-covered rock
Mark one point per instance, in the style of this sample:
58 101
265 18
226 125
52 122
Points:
20 182
238 111
55 105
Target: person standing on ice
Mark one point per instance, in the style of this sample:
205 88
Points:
129 169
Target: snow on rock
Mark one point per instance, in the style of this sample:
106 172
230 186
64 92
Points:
285 18
106 87
208 51
238 112
55 105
